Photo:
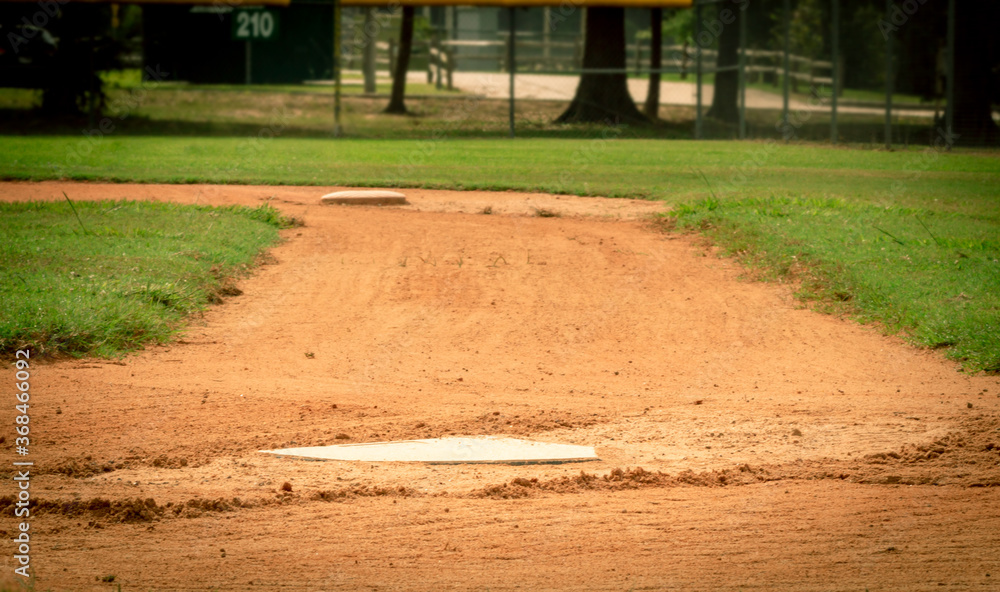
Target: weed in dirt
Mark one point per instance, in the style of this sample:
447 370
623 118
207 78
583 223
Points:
497 261
104 278
544 213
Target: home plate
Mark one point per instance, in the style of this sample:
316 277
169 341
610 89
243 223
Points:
458 450
365 198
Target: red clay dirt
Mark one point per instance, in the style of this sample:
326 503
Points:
746 443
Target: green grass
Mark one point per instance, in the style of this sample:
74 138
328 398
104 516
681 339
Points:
847 95
932 275
297 111
824 214
878 96
655 169
130 79
349 87
110 276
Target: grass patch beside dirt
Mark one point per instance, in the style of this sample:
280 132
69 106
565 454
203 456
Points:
104 278
655 169
933 276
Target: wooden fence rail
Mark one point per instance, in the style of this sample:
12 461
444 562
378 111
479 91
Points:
442 57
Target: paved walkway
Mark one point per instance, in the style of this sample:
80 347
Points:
562 88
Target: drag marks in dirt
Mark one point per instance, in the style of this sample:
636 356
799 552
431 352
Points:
968 457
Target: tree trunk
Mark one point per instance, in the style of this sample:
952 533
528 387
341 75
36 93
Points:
370 50
396 104
975 49
727 84
603 97
652 109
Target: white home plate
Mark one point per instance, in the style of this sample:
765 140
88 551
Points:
374 197
485 449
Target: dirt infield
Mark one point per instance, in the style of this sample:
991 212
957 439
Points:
745 442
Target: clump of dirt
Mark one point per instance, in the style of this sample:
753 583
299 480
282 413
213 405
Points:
494 423
951 443
512 490
969 457
347 493
229 289
80 468
194 508
165 462
83 467
616 480
874 469
497 422
705 479
128 510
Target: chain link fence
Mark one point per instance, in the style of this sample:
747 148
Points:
855 71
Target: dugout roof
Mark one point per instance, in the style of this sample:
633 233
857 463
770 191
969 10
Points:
395 3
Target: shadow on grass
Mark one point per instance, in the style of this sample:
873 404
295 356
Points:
435 119
33 123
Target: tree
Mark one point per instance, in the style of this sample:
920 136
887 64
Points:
396 103
72 86
976 80
727 83
603 97
679 30
59 50
862 46
652 108
370 30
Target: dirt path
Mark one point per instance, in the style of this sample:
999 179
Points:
779 448
548 87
